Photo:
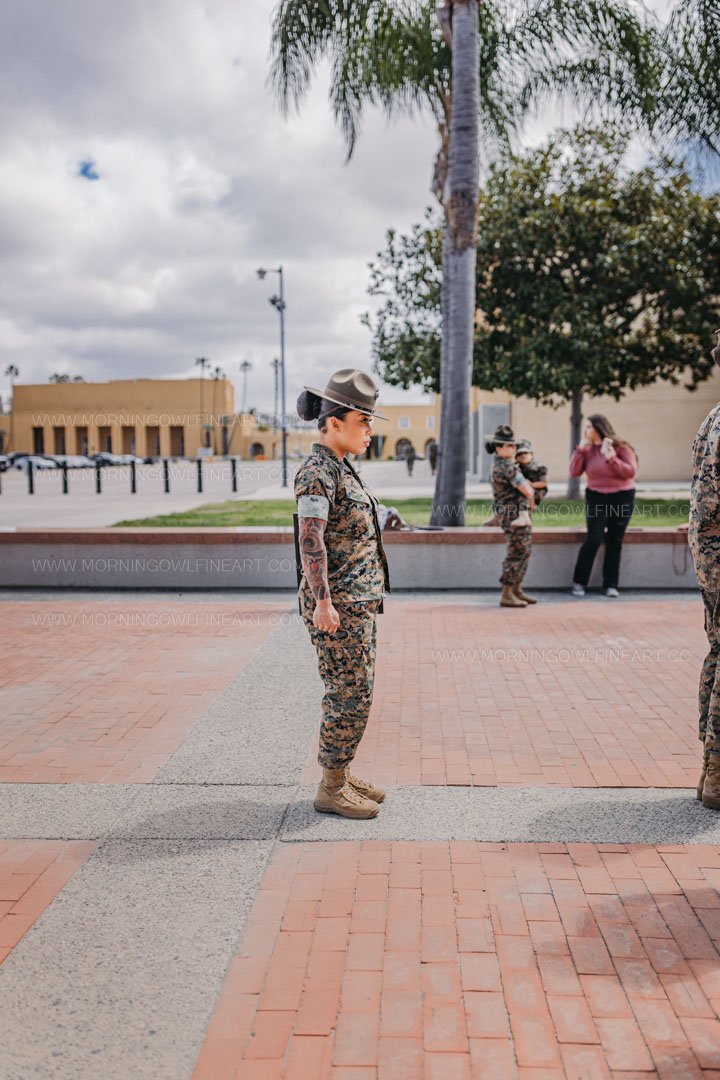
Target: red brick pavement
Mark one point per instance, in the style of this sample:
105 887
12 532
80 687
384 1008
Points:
102 692
581 695
463 960
32 873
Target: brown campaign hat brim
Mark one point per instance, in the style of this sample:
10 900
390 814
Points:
337 399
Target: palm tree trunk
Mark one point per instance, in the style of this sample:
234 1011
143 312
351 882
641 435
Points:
459 266
444 396
573 488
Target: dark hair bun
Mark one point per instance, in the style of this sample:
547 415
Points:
308 405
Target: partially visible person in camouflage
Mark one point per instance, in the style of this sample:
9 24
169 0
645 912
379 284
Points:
345 576
510 489
704 540
532 470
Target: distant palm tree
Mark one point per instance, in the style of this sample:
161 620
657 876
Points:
245 367
11 372
218 373
397 55
202 363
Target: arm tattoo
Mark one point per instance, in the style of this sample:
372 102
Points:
314 556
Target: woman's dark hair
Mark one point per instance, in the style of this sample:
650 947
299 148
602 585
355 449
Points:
312 407
606 431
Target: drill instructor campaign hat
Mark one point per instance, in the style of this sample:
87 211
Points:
503 434
353 389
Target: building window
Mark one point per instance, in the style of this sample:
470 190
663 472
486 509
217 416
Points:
430 423
403 422
38 440
81 440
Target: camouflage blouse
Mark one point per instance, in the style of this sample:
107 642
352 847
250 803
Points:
329 488
704 531
506 478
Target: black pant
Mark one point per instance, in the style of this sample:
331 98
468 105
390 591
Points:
603 512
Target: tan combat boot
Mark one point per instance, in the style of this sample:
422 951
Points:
518 590
509 599
363 787
335 796
711 786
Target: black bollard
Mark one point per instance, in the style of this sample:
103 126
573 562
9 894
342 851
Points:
166 476
133 479
233 473
199 474
31 479
98 479
64 477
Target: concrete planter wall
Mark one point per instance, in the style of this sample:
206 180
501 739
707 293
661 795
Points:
264 558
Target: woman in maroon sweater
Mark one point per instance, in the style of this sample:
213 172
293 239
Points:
610 465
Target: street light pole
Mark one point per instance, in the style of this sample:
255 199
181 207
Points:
278 302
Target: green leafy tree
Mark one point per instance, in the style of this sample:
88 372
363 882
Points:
591 279
406 57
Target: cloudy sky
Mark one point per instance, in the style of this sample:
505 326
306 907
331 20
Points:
145 172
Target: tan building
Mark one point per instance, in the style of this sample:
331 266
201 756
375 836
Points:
148 417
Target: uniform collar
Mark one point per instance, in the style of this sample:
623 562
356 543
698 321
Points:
320 448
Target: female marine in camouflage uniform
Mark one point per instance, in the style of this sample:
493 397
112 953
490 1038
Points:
510 490
704 539
345 576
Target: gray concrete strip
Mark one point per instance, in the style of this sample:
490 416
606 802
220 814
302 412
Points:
120 975
258 730
62 811
564 815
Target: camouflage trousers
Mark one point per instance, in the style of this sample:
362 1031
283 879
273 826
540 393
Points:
517 554
709 691
346 663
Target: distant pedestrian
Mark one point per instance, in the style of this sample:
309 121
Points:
410 458
432 456
510 490
704 540
610 464
345 575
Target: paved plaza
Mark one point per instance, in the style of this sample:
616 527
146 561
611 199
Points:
538 898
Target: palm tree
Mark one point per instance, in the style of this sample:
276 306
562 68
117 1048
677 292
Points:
218 373
202 363
245 367
689 100
397 55
11 372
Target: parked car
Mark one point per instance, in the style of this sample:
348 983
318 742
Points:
106 458
74 461
37 461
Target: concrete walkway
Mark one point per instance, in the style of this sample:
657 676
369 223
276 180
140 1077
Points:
172 907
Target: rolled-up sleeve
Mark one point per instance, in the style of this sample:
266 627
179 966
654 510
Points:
317 506
314 491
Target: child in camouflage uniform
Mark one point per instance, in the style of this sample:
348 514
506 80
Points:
345 575
704 539
535 473
510 490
